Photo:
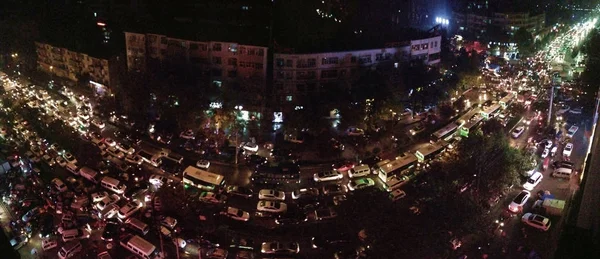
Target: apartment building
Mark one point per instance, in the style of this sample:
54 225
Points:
298 74
76 66
226 64
478 23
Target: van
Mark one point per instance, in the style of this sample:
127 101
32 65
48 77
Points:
73 234
72 168
137 225
359 171
70 249
113 184
562 173
128 209
89 174
553 151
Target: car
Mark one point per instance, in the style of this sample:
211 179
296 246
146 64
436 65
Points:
98 196
125 148
236 214
157 204
305 192
134 159
518 131
249 146
545 153
360 183
48 244
239 191
98 123
32 157
279 248
157 180
332 240
533 181
334 189
563 164
48 159
113 151
36 150
271 206
331 175
211 197
107 201
96 137
55 147
188 134
31 214
70 158
517 203
568 149
343 166
547 143
111 230
203 164
397 195
129 209
102 146
216 253
59 185
537 221
270 194
325 213
416 130
292 216
110 142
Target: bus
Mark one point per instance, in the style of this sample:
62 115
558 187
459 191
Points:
446 132
507 100
401 163
140 247
489 112
282 174
430 151
201 179
470 124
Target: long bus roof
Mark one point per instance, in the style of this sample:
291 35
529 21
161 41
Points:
399 162
203 175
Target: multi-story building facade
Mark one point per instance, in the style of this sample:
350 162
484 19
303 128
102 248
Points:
477 23
76 66
226 64
295 75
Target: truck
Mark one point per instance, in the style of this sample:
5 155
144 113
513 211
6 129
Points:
553 206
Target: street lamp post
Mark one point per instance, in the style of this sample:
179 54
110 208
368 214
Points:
238 108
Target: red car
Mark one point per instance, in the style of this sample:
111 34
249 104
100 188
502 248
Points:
343 166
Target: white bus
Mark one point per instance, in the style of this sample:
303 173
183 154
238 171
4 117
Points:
507 100
489 112
401 163
202 179
140 247
446 132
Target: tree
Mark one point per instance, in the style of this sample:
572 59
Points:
446 111
492 127
524 41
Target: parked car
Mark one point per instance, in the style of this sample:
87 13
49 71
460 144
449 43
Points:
518 131
271 206
203 164
211 197
331 175
279 248
545 153
249 146
568 149
343 166
517 203
334 189
270 194
325 213
59 185
236 214
537 221
239 191
533 181
360 183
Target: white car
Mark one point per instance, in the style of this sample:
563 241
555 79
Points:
332 175
110 142
533 181
249 146
547 144
134 159
211 197
113 151
518 131
203 164
269 194
59 185
360 183
98 196
70 158
107 201
236 214
545 153
568 149
98 123
127 149
157 180
537 221
48 159
517 203
397 195
271 206
61 161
